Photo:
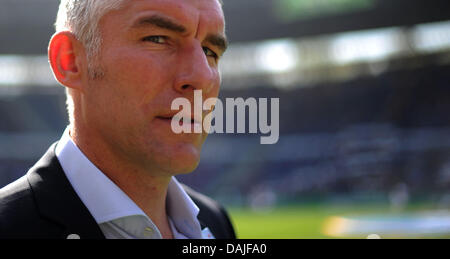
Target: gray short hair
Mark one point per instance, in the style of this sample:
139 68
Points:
81 17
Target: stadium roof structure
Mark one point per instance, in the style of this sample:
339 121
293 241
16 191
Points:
26 26
253 20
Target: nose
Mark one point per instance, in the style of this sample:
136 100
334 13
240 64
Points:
195 71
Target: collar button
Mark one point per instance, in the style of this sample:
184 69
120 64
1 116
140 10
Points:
73 236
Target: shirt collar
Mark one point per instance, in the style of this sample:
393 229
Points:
107 202
182 210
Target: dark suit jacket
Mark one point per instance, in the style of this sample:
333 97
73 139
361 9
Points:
43 204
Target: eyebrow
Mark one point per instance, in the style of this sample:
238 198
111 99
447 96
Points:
161 22
217 40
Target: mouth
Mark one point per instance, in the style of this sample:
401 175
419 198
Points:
169 118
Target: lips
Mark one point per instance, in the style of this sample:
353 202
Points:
179 118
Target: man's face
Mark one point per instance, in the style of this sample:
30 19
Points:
153 51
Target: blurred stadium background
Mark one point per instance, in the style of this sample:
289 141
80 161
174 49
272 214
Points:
364 88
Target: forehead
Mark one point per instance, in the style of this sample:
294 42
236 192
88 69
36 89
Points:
184 11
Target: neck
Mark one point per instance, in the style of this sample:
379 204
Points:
147 190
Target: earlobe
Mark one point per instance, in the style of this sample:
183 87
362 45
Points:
63 59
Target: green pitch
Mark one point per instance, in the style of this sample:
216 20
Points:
303 221
279 223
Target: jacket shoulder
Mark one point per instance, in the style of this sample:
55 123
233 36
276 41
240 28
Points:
19 217
212 214
14 197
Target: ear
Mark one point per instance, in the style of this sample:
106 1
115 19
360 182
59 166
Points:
65 54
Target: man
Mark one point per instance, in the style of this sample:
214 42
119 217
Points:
111 175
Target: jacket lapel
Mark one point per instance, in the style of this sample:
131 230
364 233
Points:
57 200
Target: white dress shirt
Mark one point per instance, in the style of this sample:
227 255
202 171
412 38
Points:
115 213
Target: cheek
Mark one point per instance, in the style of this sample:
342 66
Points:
138 70
140 78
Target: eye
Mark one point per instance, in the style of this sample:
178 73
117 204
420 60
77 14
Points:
210 53
156 39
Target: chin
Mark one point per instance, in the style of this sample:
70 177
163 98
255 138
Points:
180 159
183 166
173 153
186 168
